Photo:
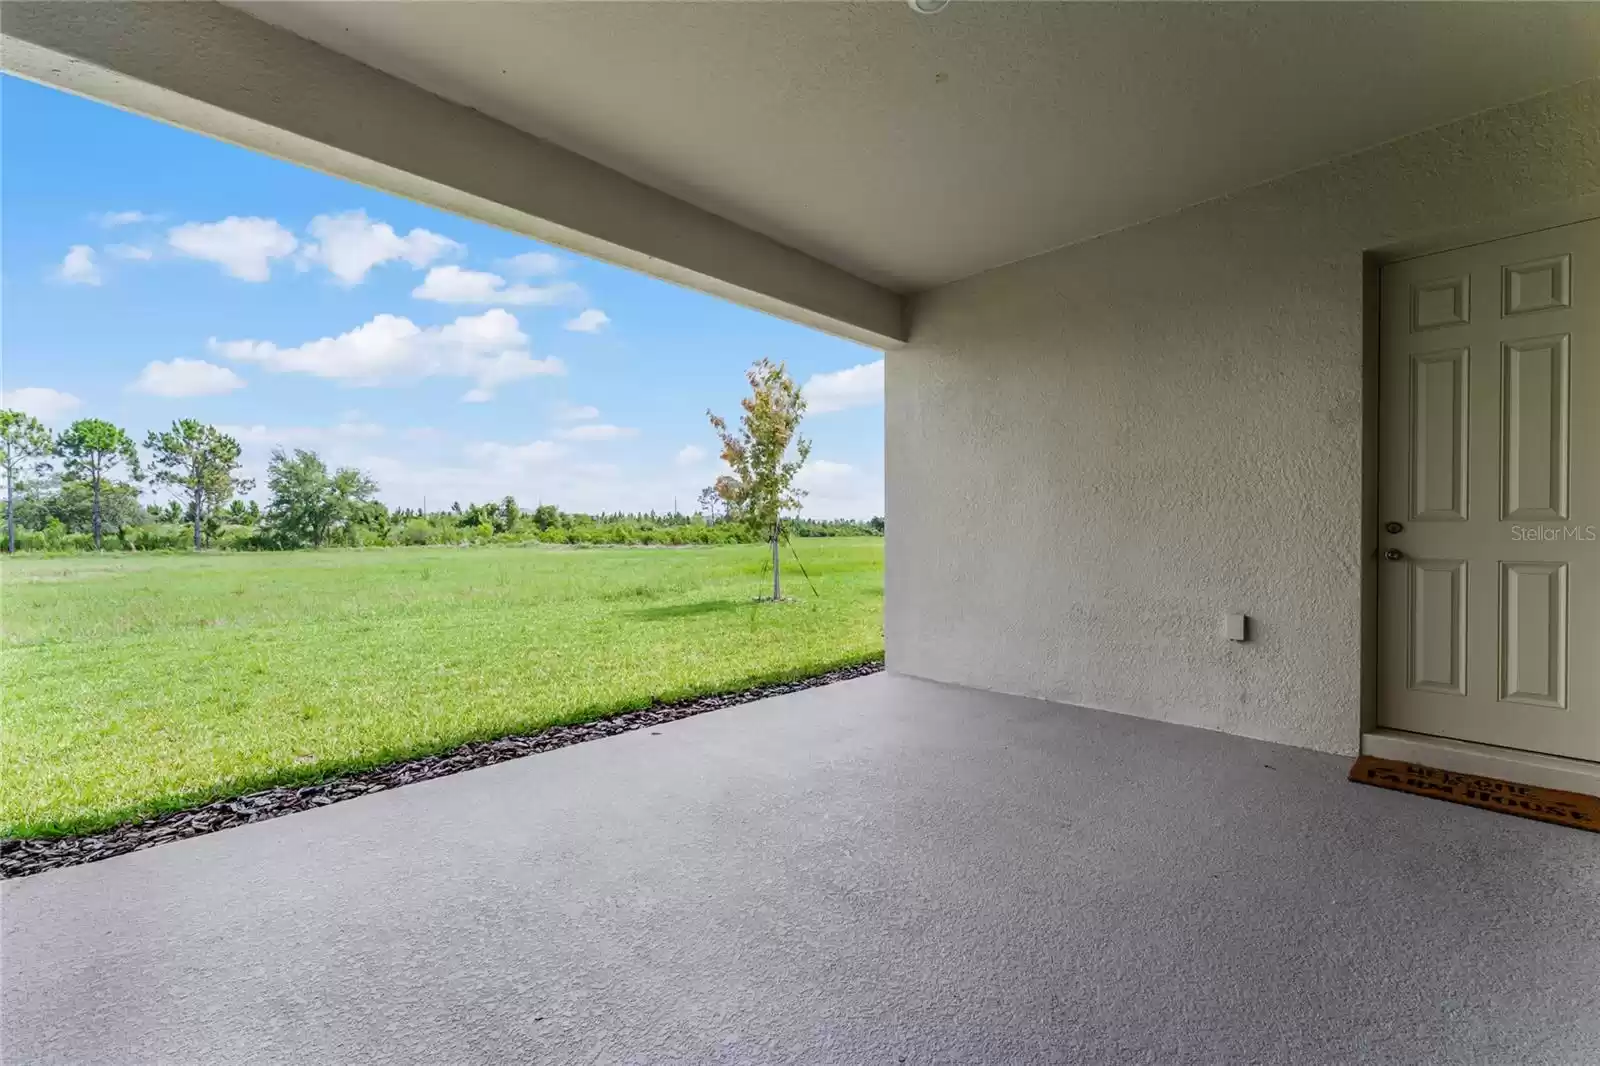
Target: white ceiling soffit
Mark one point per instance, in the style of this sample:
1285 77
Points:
207 67
915 150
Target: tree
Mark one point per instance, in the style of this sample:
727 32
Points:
307 503
370 513
760 485
354 503
27 447
300 505
171 511
200 461
72 503
91 450
510 514
351 486
546 515
711 503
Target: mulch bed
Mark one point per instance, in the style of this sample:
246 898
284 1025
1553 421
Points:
19 858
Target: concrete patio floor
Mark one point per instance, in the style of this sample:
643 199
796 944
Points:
884 870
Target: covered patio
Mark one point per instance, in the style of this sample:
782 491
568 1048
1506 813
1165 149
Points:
881 870
1202 327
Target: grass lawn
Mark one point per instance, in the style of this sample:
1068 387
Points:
135 684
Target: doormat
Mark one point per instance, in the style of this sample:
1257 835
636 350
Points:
1492 794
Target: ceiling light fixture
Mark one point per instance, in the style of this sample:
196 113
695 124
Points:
928 7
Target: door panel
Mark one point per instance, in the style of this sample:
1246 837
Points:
1439 436
1438 623
1534 432
1533 633
1489 612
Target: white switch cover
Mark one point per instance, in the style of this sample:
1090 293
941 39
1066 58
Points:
1233 626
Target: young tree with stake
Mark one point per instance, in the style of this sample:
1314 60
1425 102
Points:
760 485
27 446
92 449
199 461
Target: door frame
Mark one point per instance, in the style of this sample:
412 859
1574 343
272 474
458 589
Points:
1458 755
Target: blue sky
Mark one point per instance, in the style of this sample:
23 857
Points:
148 274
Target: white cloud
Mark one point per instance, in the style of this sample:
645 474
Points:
540 471
47 405
597 431
590 321
521 456
413 465
79 266
186 377
568 413
859 386
130 251
690 454
351 244
820 475
531 264
350 442
304 436
488 349
244 247
840 490
113 219
453 285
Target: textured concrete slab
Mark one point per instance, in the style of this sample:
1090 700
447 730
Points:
885 870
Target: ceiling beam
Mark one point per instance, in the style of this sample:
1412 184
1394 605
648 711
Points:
210 68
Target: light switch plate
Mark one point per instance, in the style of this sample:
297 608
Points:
1235 627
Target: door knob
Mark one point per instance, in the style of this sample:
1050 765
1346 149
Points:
1394 555
1394 527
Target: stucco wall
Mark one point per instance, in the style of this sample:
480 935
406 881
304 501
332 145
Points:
1095 453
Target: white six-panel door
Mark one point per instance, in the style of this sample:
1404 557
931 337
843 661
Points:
1489 588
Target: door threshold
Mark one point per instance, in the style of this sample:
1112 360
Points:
1485 760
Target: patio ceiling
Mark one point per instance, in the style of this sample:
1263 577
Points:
816 160
913 151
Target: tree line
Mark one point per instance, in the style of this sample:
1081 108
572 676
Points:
80 490
99 464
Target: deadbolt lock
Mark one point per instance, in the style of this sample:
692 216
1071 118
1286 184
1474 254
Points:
1394 527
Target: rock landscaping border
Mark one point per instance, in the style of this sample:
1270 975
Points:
19 858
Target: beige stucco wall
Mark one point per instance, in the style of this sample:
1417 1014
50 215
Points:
1093 454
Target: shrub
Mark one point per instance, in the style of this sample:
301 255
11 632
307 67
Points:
417 531
234 540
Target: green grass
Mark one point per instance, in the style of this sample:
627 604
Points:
135 684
